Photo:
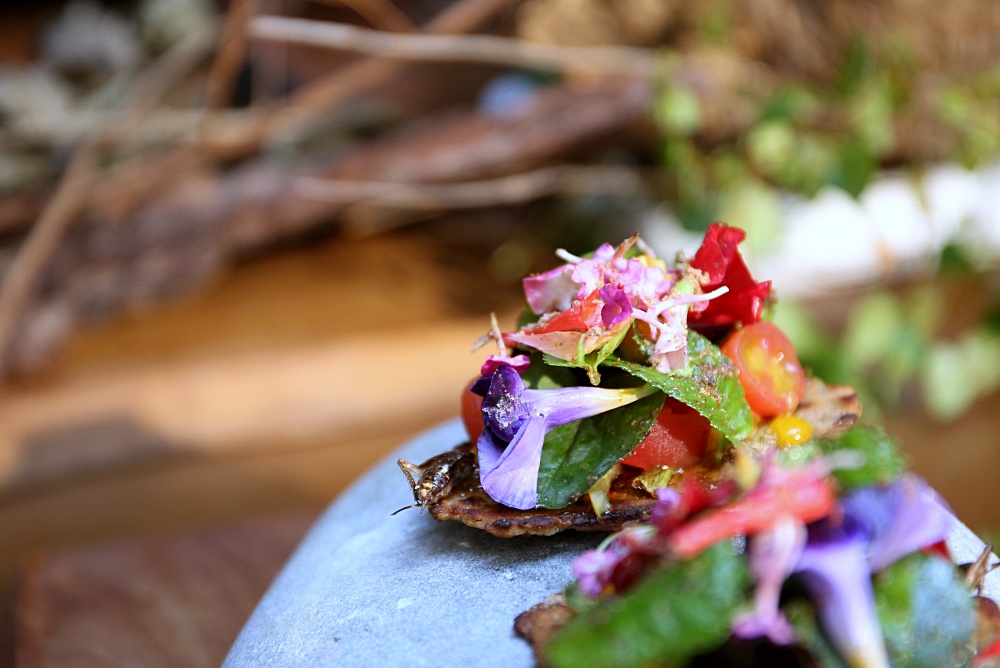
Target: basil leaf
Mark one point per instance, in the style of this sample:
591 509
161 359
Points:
927 614
575 455
709 384
881 461
668 618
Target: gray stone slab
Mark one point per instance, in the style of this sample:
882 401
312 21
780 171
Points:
367 588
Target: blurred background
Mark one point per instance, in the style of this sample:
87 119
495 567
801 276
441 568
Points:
246 248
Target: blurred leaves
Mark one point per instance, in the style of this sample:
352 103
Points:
893 341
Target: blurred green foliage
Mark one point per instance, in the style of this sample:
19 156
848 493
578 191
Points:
894 342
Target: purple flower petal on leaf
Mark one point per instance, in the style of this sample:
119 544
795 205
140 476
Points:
512 478
517 420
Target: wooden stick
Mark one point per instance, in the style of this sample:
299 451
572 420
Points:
73 191
68 201
230 54
489 49
229 140
512 189
381 14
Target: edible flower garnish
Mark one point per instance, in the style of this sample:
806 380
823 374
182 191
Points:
517 420
589 303
879 525
720 260
795 528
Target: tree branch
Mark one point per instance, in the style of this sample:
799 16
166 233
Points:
489 49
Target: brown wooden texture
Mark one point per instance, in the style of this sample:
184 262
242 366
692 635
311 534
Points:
167 601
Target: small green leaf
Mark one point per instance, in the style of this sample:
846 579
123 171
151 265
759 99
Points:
926 612
670 617
575 455
709 384
880 464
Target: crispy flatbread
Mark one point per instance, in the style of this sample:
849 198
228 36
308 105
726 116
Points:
447 485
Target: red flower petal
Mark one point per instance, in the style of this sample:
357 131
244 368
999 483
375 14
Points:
720 259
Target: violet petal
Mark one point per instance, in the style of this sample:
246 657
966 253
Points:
617 306
503 410
899 519
513 478
834 570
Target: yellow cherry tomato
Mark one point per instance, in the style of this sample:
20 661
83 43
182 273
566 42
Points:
791 430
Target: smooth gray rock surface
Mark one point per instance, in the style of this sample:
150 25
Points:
366 588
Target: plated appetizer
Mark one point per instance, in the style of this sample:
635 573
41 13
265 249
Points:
753 518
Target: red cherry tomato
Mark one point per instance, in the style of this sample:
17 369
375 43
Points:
472 412
770 372
678 439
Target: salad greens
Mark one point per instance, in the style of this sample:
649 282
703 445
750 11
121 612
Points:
823 542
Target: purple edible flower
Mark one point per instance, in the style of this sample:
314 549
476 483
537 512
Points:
834 570
879 526
899 519
594 568
773 555
519 362
517 420
617 306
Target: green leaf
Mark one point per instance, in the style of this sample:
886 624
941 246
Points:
591 360
709 384
542 376
575 455
670 617
881 461
926 612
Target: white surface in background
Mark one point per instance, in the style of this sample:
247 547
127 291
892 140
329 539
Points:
898 226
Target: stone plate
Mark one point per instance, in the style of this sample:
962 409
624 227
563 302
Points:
368 588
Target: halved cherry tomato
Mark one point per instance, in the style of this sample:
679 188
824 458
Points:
678 439
472 412
770 371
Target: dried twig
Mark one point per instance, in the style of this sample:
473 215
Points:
230 54
465 48
381 14
73 191
230 140
513 189
67 202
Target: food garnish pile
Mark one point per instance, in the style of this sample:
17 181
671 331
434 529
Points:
754 520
